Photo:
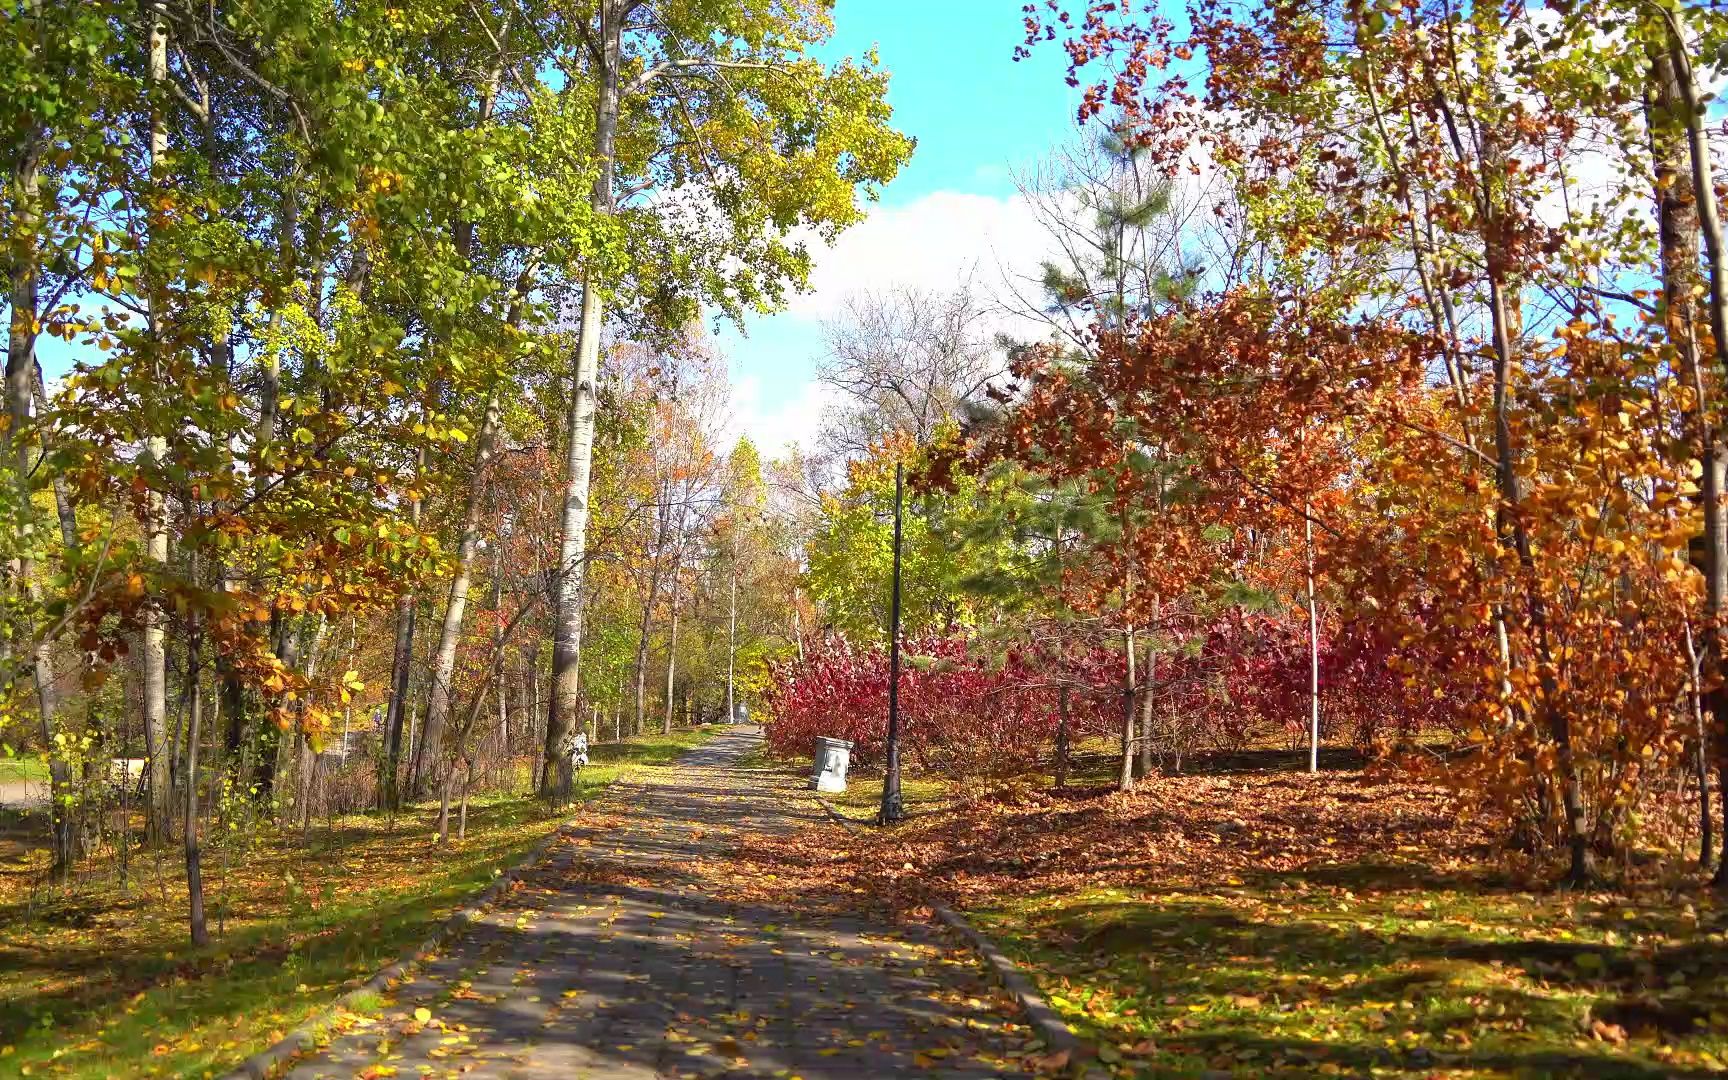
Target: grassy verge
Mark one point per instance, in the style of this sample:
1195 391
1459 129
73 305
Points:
101 982
1397 977
21 769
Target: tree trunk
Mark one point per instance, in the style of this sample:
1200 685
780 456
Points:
524 706
671 665
1064 737
1148 696
1582 868
1710 227
152 653
230 690
501 670
293 751
665 515
232 703
444 808
1706 837
397 709
1062 747
438 696
263 437
1148 702
797 624
566 696
462 817
189 826
567 635
311 761
278 769
1701 759
20 378
63 509
400 711
1505 324
528 706
1677 231
641 680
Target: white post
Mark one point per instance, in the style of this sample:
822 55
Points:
1313 649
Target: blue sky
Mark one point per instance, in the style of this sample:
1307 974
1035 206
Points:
956 88
976 114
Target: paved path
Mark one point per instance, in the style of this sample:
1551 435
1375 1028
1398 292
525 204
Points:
623 956
23 794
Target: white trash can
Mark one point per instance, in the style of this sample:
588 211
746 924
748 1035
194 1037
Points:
832 757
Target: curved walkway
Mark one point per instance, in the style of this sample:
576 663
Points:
630 953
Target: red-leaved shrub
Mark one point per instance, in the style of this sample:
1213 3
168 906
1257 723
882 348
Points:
960 713
1236 679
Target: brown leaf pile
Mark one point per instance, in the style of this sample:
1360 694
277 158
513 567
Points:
1174 830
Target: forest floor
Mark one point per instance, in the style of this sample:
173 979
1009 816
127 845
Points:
1247 920
99 980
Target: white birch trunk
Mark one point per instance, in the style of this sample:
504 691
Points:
567 622
152 653
438 696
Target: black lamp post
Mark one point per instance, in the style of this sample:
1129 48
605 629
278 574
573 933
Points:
892 810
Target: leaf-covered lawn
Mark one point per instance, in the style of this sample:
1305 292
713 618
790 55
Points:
1254 921
1384 975
101 983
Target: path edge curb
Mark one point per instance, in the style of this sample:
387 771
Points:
261 1066
1049 1025
1046 1021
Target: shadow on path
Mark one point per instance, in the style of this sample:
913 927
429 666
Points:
626 954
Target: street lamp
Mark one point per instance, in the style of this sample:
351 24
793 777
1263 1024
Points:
892 810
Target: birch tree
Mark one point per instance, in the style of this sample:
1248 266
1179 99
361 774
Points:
719 114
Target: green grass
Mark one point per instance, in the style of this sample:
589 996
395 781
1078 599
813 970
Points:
863 795
1371 974
14 770
101 983
608 761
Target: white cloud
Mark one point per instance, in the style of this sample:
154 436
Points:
774 426
932 243
935 243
